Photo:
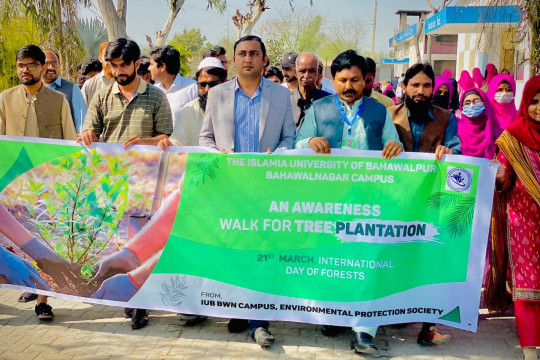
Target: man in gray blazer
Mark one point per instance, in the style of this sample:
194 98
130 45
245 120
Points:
248 113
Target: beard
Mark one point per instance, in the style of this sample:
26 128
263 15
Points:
367 92
29 81
202 101
418 109
290 79
125 80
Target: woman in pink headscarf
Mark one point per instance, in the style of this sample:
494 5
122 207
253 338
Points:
447 73
478 78
501 93
465 82
390 92
478 127
491 72
442 92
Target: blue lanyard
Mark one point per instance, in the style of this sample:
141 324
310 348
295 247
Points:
345 116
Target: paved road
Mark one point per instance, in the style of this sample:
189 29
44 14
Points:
81 331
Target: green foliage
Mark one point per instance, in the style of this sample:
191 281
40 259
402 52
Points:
185 55
78 217
460 209
192 39
16 33
92 33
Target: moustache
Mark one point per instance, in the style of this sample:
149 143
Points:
349 91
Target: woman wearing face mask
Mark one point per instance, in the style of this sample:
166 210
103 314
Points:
516 215
478 127
501 95
442 92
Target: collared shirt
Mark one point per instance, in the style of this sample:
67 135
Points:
301 105
186 132
77 103
182 91
451 139
247 115
327 85
114 118
91 86
358 131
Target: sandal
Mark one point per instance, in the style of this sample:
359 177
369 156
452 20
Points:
27 297
44 311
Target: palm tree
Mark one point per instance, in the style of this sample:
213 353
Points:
92 32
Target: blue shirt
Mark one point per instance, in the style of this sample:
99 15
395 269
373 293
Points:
247 115
451 139
77 103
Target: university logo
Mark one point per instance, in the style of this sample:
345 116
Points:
458 179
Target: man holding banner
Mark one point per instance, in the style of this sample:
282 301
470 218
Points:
423 127
129 111
238 119
369 127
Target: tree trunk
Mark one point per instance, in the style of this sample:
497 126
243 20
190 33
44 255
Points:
115 21
253 21
161 36
418 35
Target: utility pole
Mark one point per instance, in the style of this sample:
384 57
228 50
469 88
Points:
374 27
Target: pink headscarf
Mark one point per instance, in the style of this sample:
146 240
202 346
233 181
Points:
388 88
478 78
506 113
478 134
491 72
441 80
465 82
447 73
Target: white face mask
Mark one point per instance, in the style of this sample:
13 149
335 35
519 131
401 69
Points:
504 97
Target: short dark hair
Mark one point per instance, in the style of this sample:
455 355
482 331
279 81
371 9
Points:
92 65
251 38
214 51
274 71
143 67
31 51
372 67
123 48
415 69
347 60
212 70
169 56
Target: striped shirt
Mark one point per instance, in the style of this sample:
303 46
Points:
247 115
115 119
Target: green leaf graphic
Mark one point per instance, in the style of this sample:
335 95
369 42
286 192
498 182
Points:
205 168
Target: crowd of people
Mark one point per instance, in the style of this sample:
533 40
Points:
133 99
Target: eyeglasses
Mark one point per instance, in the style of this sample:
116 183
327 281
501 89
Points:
30 66
506 90
476 101
52 63
210 84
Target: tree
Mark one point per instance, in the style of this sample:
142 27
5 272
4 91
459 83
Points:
92 33
292 31
192 39
343 36
528 28
58 18
115 18
185 55
244 23
16 33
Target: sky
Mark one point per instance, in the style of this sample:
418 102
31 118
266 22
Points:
146 17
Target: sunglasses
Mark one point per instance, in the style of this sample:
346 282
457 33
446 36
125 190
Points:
476 101
210 84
